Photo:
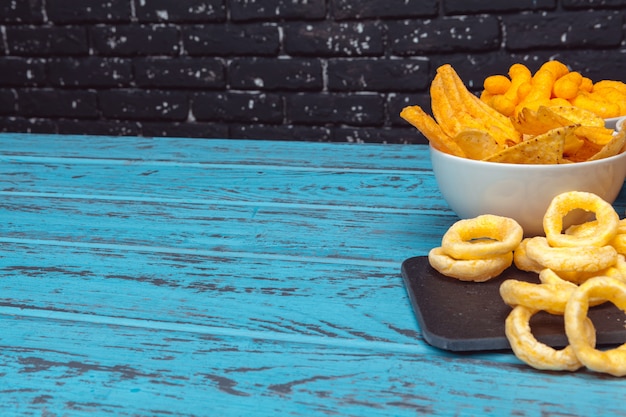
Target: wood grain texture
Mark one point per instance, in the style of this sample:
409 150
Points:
181 277
128 371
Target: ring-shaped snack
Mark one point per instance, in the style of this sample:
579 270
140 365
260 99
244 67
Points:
612 361
522 261
619 269
483 236
551 295
548 276
588 229
582 230
605 228
547 297
570 259
619 243
536 354
477 270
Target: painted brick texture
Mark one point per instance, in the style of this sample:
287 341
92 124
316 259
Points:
312 70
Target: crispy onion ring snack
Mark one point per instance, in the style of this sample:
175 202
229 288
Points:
571 259
605 228
612 361
477 249
483 236
619 243
619 270
551 295
477 270
547 297
581 267
522 261
548 276
536 354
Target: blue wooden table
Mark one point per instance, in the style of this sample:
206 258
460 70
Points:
186 277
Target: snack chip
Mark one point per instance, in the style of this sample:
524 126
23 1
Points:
477 144
613 147
546 148
521 120
431 129
531 122
599 135
573 115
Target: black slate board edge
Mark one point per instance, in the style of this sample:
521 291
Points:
468 316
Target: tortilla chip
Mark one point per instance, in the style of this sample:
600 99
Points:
477 144
529 122
612 148
542 149
572 144
576 115
599 135
584 153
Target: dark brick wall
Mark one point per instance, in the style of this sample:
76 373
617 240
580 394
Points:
319 70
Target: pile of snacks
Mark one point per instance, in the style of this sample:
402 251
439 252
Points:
581 267
537 129
553 84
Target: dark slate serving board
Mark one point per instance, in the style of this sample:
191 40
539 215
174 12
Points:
469 316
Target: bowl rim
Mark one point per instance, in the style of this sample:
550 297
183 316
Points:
572 165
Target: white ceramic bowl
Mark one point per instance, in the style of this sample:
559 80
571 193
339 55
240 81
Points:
521 192
614 122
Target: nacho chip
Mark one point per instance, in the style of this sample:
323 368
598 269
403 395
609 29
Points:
546 118
546 148
573 143
477 144
575 115
529 122
583 153
613 147
599 135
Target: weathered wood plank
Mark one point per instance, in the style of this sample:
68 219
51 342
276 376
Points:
334 300
75 368
243 186
291 231
181 151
